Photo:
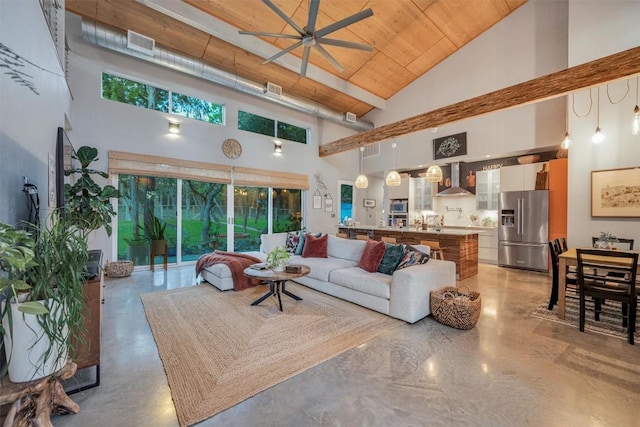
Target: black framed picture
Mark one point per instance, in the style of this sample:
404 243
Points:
450 146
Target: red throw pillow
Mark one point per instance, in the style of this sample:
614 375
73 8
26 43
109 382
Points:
372 255
315 247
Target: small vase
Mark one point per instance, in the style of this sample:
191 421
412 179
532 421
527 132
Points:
604 245
280 267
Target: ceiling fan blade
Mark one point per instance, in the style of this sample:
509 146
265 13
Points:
305 61
282 52
259 34
344 43
329 58
313 14
285 17
343 22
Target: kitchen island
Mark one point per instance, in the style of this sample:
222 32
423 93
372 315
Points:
460 245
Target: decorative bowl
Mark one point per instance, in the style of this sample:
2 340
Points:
532 158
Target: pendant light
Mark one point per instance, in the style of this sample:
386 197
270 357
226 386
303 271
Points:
434 173
636 112
566 142
361 180
598 136
393 178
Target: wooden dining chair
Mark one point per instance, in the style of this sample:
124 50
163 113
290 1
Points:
435 248
388 239
563 244
362 236
571 282
620 287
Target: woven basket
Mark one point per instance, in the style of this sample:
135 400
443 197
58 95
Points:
454 308
119 269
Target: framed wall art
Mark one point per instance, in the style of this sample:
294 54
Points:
450 146
369 203
328 203
615 193
317 200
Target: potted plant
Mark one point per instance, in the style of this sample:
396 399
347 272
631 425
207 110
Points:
87 205
606 240
277 259
154 230
43 317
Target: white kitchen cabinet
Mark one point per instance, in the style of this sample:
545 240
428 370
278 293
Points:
519 177
488 246
400 191
487 189
421 195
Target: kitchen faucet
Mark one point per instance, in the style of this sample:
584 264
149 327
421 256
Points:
459 210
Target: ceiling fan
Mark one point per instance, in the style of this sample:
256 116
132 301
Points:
310 37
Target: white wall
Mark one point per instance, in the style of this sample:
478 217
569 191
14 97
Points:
529 43
110 125
598 29
28 121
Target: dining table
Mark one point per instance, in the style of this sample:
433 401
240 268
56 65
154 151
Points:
570 258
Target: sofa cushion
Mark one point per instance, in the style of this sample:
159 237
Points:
272 241
391 259
350 249
301 241
292 242
321 268
315 247
372 255
411 257
376 284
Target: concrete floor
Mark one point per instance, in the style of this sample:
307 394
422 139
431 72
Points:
510 370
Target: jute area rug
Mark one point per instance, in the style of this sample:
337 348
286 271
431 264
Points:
218 350
610 318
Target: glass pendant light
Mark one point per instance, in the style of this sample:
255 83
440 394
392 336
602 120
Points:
636 112
361 180
566 142
598 136
393 178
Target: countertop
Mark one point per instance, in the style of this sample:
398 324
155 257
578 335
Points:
451 231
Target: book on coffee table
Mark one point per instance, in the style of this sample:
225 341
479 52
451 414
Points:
260 266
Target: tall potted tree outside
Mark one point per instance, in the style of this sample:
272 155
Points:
42 317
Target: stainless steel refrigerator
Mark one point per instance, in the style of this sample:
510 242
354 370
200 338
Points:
523 230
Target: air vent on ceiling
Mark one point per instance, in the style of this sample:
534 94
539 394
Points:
371 150
350 117
273 89
140 43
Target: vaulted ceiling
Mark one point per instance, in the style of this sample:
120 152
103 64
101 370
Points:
409 38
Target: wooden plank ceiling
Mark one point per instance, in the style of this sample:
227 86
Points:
409 38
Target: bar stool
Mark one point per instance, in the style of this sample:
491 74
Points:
388 239
343 235
362 237
435 248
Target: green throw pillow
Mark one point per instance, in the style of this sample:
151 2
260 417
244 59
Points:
392 256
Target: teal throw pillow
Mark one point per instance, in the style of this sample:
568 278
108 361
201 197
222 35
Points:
392 256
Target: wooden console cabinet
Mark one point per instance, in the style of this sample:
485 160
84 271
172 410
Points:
88 352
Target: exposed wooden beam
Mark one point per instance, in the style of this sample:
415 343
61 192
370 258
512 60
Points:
594 73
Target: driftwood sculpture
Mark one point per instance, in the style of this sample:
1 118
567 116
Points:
33 402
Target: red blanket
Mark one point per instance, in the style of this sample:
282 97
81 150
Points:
236 262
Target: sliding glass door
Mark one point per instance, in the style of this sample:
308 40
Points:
209 216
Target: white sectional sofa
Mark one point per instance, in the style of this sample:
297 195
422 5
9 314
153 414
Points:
403 295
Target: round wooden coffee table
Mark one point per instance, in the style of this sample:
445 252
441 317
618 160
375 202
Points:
276 281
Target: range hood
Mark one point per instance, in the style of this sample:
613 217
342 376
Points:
455 189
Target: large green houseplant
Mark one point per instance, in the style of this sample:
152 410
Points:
87 205
154 229
43 315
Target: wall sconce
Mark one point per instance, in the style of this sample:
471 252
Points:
174 127
277 147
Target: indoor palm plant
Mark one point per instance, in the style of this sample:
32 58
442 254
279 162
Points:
277 259
44 313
